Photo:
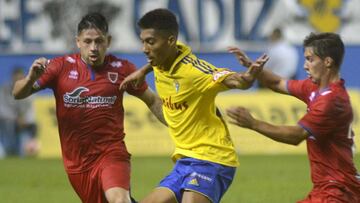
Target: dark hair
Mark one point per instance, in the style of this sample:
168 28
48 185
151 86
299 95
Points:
326 45
161 20
93 20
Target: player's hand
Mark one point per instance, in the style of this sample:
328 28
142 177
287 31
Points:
241 56
135 79
240 116
255 68
37 68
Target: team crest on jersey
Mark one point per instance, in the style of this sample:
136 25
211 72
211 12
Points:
177 86
113 76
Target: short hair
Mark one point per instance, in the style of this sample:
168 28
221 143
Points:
160 19
93 20
326 45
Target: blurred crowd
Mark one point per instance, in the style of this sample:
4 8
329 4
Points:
18 129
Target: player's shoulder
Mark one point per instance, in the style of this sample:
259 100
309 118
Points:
67 59
306 86
338 96
333 98
117 62
61 62
197 66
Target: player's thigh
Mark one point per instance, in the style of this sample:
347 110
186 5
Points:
211 180
87 187
160 195
194 197
115 179
329 194
116 174
117 194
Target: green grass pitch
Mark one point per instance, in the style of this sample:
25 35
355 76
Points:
259 178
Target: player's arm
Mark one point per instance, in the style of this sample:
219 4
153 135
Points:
24 87
136 78
293 135
246 79
154 103
266 77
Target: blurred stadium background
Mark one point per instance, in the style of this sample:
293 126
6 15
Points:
33 28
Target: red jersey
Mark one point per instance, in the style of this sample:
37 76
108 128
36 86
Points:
328 121
89 108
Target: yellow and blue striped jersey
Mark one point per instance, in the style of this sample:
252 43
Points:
188 90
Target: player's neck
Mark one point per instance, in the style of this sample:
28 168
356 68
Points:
328 79
170 60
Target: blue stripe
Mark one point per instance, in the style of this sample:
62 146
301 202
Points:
187 60
201 69
287 86
206 66
92 72
306 128
197 65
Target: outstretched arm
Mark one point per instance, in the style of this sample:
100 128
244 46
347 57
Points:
245 80
136 78
154 103
266 77
293 135
24 87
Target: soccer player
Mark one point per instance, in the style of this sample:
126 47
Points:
90 112
326 126
204 152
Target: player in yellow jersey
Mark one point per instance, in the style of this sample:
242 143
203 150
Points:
204 152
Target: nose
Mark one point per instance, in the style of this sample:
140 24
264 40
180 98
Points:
145 49
305 66
94 46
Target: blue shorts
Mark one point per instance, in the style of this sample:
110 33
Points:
207 178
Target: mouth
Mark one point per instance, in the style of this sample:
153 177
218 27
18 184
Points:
93 57
150 60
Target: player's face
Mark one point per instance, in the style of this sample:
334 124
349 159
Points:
314 65
93 45
156 47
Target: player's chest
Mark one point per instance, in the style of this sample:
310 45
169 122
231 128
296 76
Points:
91 82
175 86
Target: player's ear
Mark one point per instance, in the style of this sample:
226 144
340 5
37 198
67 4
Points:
77 41
172 40
109 38
329 62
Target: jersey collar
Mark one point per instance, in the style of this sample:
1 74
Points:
184 51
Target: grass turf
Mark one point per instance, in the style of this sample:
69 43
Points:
260 178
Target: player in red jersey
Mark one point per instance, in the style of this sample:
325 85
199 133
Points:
327 124
90 111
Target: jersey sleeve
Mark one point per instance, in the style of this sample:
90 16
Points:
131 89
321 118
300 89
49 78
209 78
